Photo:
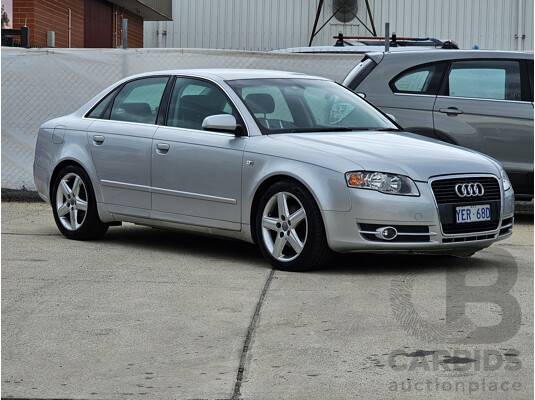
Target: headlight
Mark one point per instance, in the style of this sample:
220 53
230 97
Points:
382 182
505 180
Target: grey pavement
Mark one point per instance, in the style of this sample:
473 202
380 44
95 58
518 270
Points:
145 313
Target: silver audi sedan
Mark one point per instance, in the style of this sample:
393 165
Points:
297 164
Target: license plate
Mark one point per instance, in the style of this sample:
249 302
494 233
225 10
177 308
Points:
473 213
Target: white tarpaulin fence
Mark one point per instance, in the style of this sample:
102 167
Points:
40 84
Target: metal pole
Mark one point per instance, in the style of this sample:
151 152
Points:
318 12
124 34
70 25
519 27
387 37
371 18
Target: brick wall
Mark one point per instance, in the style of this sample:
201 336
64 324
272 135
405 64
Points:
135 30
53 15
23 13
135 27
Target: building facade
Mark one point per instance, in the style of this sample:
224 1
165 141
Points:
86 23
274 24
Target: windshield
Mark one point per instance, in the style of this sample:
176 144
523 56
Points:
307 105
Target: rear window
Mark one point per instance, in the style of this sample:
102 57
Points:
423 79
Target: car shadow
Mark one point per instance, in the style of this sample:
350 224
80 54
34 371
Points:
392 263
524 218
179 242
232 250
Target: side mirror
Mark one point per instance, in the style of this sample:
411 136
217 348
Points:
220 122
393 118
361 94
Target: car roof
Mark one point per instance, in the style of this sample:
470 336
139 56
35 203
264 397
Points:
230 74
357 49
453 54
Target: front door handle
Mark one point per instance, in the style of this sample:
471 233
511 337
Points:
451 110
162 148
98 139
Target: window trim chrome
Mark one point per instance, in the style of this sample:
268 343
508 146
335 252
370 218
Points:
442 96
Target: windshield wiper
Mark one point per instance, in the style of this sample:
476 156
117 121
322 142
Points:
338 129
386 129
323 129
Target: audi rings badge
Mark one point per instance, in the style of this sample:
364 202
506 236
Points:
469 189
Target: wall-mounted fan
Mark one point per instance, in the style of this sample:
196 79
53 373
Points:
347 9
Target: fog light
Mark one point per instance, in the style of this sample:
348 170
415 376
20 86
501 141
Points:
386 233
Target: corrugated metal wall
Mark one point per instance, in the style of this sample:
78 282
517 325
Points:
273 24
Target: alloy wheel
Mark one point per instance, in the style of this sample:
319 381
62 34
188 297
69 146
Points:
284 226
71 201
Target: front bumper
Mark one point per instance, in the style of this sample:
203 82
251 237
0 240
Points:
416 219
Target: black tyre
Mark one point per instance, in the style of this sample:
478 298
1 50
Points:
289 228
74 205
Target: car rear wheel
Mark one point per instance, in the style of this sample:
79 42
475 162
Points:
289 228
74 205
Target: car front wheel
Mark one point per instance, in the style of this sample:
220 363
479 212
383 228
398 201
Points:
74 205
289 228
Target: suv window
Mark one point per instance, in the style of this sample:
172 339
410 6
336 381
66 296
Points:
530 74
485 79
423 79
193 100
139 100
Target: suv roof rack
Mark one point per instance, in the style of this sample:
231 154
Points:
394 41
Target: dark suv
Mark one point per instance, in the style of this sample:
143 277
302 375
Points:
482 100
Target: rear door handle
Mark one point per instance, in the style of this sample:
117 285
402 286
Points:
98 139
451 110
162 148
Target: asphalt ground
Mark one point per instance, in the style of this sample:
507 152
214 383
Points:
154 314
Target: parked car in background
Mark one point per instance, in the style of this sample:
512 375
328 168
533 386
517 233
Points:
297 164
482 100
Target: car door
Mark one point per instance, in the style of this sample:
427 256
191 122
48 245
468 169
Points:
120 140
196 174
410 97
485 105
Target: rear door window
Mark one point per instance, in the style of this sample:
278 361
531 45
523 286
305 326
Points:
530 74
485 79
139 100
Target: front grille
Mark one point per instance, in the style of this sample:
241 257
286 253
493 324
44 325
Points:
444 190
468 238
447 199
470 227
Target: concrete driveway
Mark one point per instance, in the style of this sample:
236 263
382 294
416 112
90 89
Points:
145 313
